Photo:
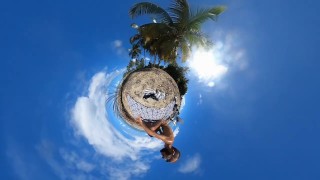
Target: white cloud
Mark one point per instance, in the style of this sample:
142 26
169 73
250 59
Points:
74 160
183 103
136 169
117 45
85 166
191 165
200 100
90 120
107 152
22 165
69 166
46 151
209 66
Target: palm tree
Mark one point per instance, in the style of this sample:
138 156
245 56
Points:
178 29
155 38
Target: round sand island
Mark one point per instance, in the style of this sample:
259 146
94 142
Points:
150 93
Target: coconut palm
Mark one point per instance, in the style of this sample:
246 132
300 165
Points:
155 38
178 29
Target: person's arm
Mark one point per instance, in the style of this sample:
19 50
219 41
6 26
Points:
165 139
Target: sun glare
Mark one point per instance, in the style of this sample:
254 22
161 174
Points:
207 66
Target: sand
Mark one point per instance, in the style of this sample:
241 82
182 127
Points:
135 85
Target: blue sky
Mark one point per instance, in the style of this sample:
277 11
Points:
251 111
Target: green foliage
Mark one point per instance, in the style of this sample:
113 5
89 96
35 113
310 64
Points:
178 29
178 73
150 8
134 65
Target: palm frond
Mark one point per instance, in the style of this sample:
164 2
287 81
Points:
202 15
155 30
185 50
135 38
150 8
180 11
198 39
168 49
135 51
153 35
217 10
113 98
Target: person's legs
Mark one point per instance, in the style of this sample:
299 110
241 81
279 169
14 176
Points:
153 125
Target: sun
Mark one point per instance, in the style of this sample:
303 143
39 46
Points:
207 66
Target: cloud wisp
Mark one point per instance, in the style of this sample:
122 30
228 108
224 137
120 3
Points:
117 45
200 100
191 165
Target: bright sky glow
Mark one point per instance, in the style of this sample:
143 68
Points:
209 66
